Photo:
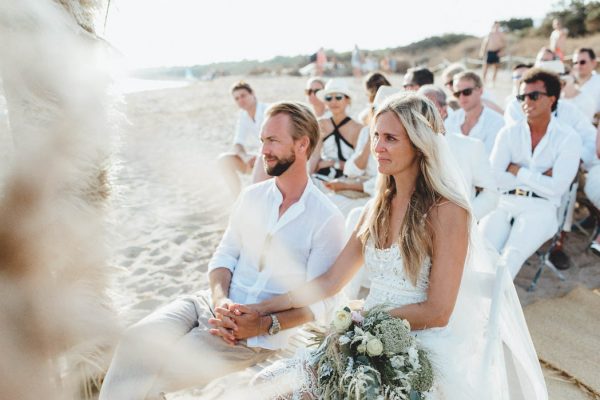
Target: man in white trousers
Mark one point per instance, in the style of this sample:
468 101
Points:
281 233
535 161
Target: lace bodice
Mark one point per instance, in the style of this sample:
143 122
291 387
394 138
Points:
389 282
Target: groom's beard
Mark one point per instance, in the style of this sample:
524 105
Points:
280 166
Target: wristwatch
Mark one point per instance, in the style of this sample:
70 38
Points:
275 326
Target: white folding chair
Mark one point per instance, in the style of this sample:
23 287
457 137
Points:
544 256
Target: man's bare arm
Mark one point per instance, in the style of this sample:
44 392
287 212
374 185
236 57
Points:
219 280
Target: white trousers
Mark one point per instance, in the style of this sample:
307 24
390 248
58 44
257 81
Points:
171 349
518 227
592 185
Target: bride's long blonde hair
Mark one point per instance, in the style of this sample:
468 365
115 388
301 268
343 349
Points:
425 129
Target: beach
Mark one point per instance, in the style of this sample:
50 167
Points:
169 207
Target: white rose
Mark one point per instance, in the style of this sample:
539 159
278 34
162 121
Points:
361 348
342 320
374 347
406 324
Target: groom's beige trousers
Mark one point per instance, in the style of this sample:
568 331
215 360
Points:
172 349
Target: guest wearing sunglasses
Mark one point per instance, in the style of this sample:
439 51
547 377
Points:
534 162
473 119
447 78
584 65
339 133
313 86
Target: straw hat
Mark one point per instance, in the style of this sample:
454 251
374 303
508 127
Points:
383 93
334 86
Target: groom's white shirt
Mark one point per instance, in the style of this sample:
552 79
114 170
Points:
295 248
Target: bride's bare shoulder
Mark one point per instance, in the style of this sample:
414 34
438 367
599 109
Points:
445 214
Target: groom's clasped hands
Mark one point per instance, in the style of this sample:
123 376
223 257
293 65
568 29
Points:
233 322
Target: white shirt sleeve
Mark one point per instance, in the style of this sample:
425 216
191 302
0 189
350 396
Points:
328 243
483 177
501 158
584 128
563 171
228 252
350 168
241 130
513 113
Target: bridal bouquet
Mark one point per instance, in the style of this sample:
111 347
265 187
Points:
370 357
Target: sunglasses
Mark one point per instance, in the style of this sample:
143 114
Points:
580 62
309 92
535 95
464 92
409 85
338 97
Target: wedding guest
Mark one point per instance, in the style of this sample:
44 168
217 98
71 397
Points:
417 77
313 86
535 161
473 119
282 233
584 69
448 79
472 159
592 189
339 133
373 82
246 143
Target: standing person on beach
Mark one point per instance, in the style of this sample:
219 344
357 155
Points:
282 233
491 48
558 39
246 142
356 62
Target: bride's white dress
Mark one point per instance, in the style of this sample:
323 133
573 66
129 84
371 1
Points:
391 286
456 351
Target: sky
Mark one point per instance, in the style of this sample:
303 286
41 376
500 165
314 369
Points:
152 33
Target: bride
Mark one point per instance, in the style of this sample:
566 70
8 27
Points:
423 256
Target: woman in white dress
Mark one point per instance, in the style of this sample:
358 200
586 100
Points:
417 241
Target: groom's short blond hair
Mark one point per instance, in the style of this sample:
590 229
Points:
304 121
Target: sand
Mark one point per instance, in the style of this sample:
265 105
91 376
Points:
169 208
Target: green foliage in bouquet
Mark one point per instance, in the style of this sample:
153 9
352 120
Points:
370 357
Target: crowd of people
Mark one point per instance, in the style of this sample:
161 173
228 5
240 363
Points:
413 217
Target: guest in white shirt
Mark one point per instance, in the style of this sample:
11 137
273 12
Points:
472 159
473 119
592 188
535 161
584 66
313 86
282 233
246 142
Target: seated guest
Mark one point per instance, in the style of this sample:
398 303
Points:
535 161
584 68
417 77
339 133
373 82
472 159
313 86
246 142
447 78
592 188
517 74
360 169
572 94
473 119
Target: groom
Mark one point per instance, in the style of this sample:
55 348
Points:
282 233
